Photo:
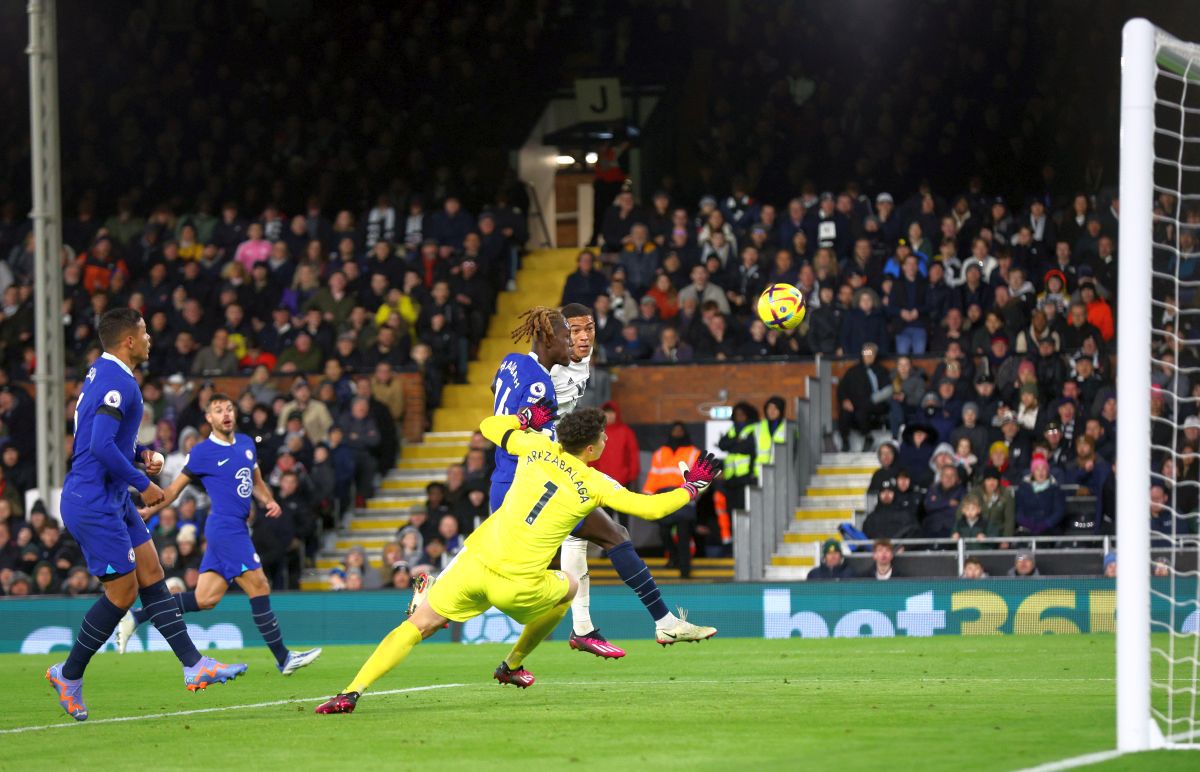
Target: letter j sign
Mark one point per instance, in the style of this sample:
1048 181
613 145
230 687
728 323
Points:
598 99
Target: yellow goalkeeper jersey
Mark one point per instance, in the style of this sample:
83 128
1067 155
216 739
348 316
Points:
551 492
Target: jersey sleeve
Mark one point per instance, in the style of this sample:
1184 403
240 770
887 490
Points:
611 494
505 432
193 465
104 447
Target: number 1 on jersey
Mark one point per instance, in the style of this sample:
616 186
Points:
551 489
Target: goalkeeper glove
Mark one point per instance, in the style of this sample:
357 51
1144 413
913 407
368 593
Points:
697 479
539 414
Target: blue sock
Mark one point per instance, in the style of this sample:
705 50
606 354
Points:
268 626
97 626
633 571
163 610
187 604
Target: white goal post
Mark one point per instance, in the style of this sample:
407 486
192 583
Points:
1157 648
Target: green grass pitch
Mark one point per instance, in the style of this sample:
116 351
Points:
934 703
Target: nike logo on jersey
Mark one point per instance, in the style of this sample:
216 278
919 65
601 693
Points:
223 462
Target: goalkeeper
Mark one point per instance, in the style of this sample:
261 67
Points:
504 562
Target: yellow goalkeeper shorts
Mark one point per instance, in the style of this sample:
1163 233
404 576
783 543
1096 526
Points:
467 588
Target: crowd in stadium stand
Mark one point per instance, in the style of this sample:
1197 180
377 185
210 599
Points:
305 227
319 315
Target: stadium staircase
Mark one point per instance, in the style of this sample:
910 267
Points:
835 494
539 282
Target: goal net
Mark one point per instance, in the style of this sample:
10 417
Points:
1158 354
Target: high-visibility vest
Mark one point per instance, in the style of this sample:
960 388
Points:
664 467
767 441
740 464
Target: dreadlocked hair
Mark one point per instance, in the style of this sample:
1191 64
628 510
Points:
538 323
580 428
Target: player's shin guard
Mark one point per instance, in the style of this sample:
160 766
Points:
534 633
390 652
187 605
574 562
268 627
633 571
163 611
94 631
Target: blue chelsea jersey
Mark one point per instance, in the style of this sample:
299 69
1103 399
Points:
227 472
108 389
521 380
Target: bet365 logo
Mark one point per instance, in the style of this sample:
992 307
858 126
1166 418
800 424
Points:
919 619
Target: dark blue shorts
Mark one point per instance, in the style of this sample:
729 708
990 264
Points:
228 551
497 493
106 538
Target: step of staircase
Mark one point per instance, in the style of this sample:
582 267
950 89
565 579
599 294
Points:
807 561
397 501
424 453
829 525
808 537
786 573
820 513
825 470
850 459
855 481
854 502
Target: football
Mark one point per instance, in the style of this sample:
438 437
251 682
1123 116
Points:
781 307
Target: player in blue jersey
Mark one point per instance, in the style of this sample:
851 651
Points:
227 465
99 513
523 379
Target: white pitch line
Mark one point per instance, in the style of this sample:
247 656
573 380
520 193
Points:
197 711
1076 761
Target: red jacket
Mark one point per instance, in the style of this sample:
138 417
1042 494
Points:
620 460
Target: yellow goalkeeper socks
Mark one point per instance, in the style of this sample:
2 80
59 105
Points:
534 633
390 652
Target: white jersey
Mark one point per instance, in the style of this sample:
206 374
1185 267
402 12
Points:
569 383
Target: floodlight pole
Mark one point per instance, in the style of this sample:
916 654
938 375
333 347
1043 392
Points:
47 228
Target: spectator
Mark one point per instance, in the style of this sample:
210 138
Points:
892 519
1040 503
670 348
916 451
215 359
740 444
620 460
908 387
833 563
941 503
888 455
702 290
863 395
664 474
973 569
865 323
401 576
356 561
882 555
314 415
586 284
970 523
1024 566
361 434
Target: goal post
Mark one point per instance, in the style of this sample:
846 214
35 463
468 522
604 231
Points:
1158 645
1135 247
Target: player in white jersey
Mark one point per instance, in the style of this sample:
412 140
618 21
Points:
599 528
